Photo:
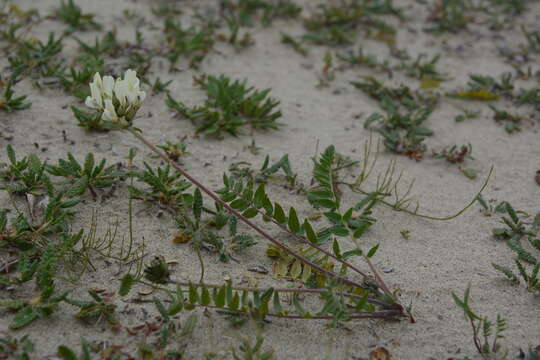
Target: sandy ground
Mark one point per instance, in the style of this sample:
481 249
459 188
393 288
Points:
439 258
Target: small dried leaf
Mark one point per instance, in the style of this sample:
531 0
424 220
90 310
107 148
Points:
380 353
181 237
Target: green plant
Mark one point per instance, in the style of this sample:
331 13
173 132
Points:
423 70
71 14
75 81
294 43
99 307
10 103
92 121
370 297
18 349
390 191
159 86
514 231
455 154
65 353
486 88
203 235
46 303
244 12
88 175
25 176
249 351
193 43
511 121
107 45
467 114
529 96
37 58
244 204
229 106
406 111
239 304
174 150
449 16
336 25
485 336
78 250
533 39
166 188
368 60
180 335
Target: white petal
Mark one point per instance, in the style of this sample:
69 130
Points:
130 76
108 86
109 113
89 102
97 80
95 97
120 91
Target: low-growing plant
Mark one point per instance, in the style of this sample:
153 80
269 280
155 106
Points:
449 16
165 187
486 88
24 176
343 298
244 12
87 175
533 39
14 348
174 150
454 154
406 111
336 24
108 45
193 42
37 58
486 335
425 70
511 121
43 271
75 80
247 350
296 44
229 106
9 102
528 96
71 14
368 60
467 114
514 231
99 307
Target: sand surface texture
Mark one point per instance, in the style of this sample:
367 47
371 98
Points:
436 259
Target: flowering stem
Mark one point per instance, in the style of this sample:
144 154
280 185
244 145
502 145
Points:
394 312
237 214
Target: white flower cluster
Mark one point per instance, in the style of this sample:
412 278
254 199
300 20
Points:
117 99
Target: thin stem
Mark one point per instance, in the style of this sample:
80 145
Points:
396 207
279 290
309 243
198 249
396 307
378 277
237 214
382 314
130 213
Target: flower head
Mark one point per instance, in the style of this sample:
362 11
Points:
117 100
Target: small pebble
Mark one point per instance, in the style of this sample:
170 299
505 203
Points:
258 269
